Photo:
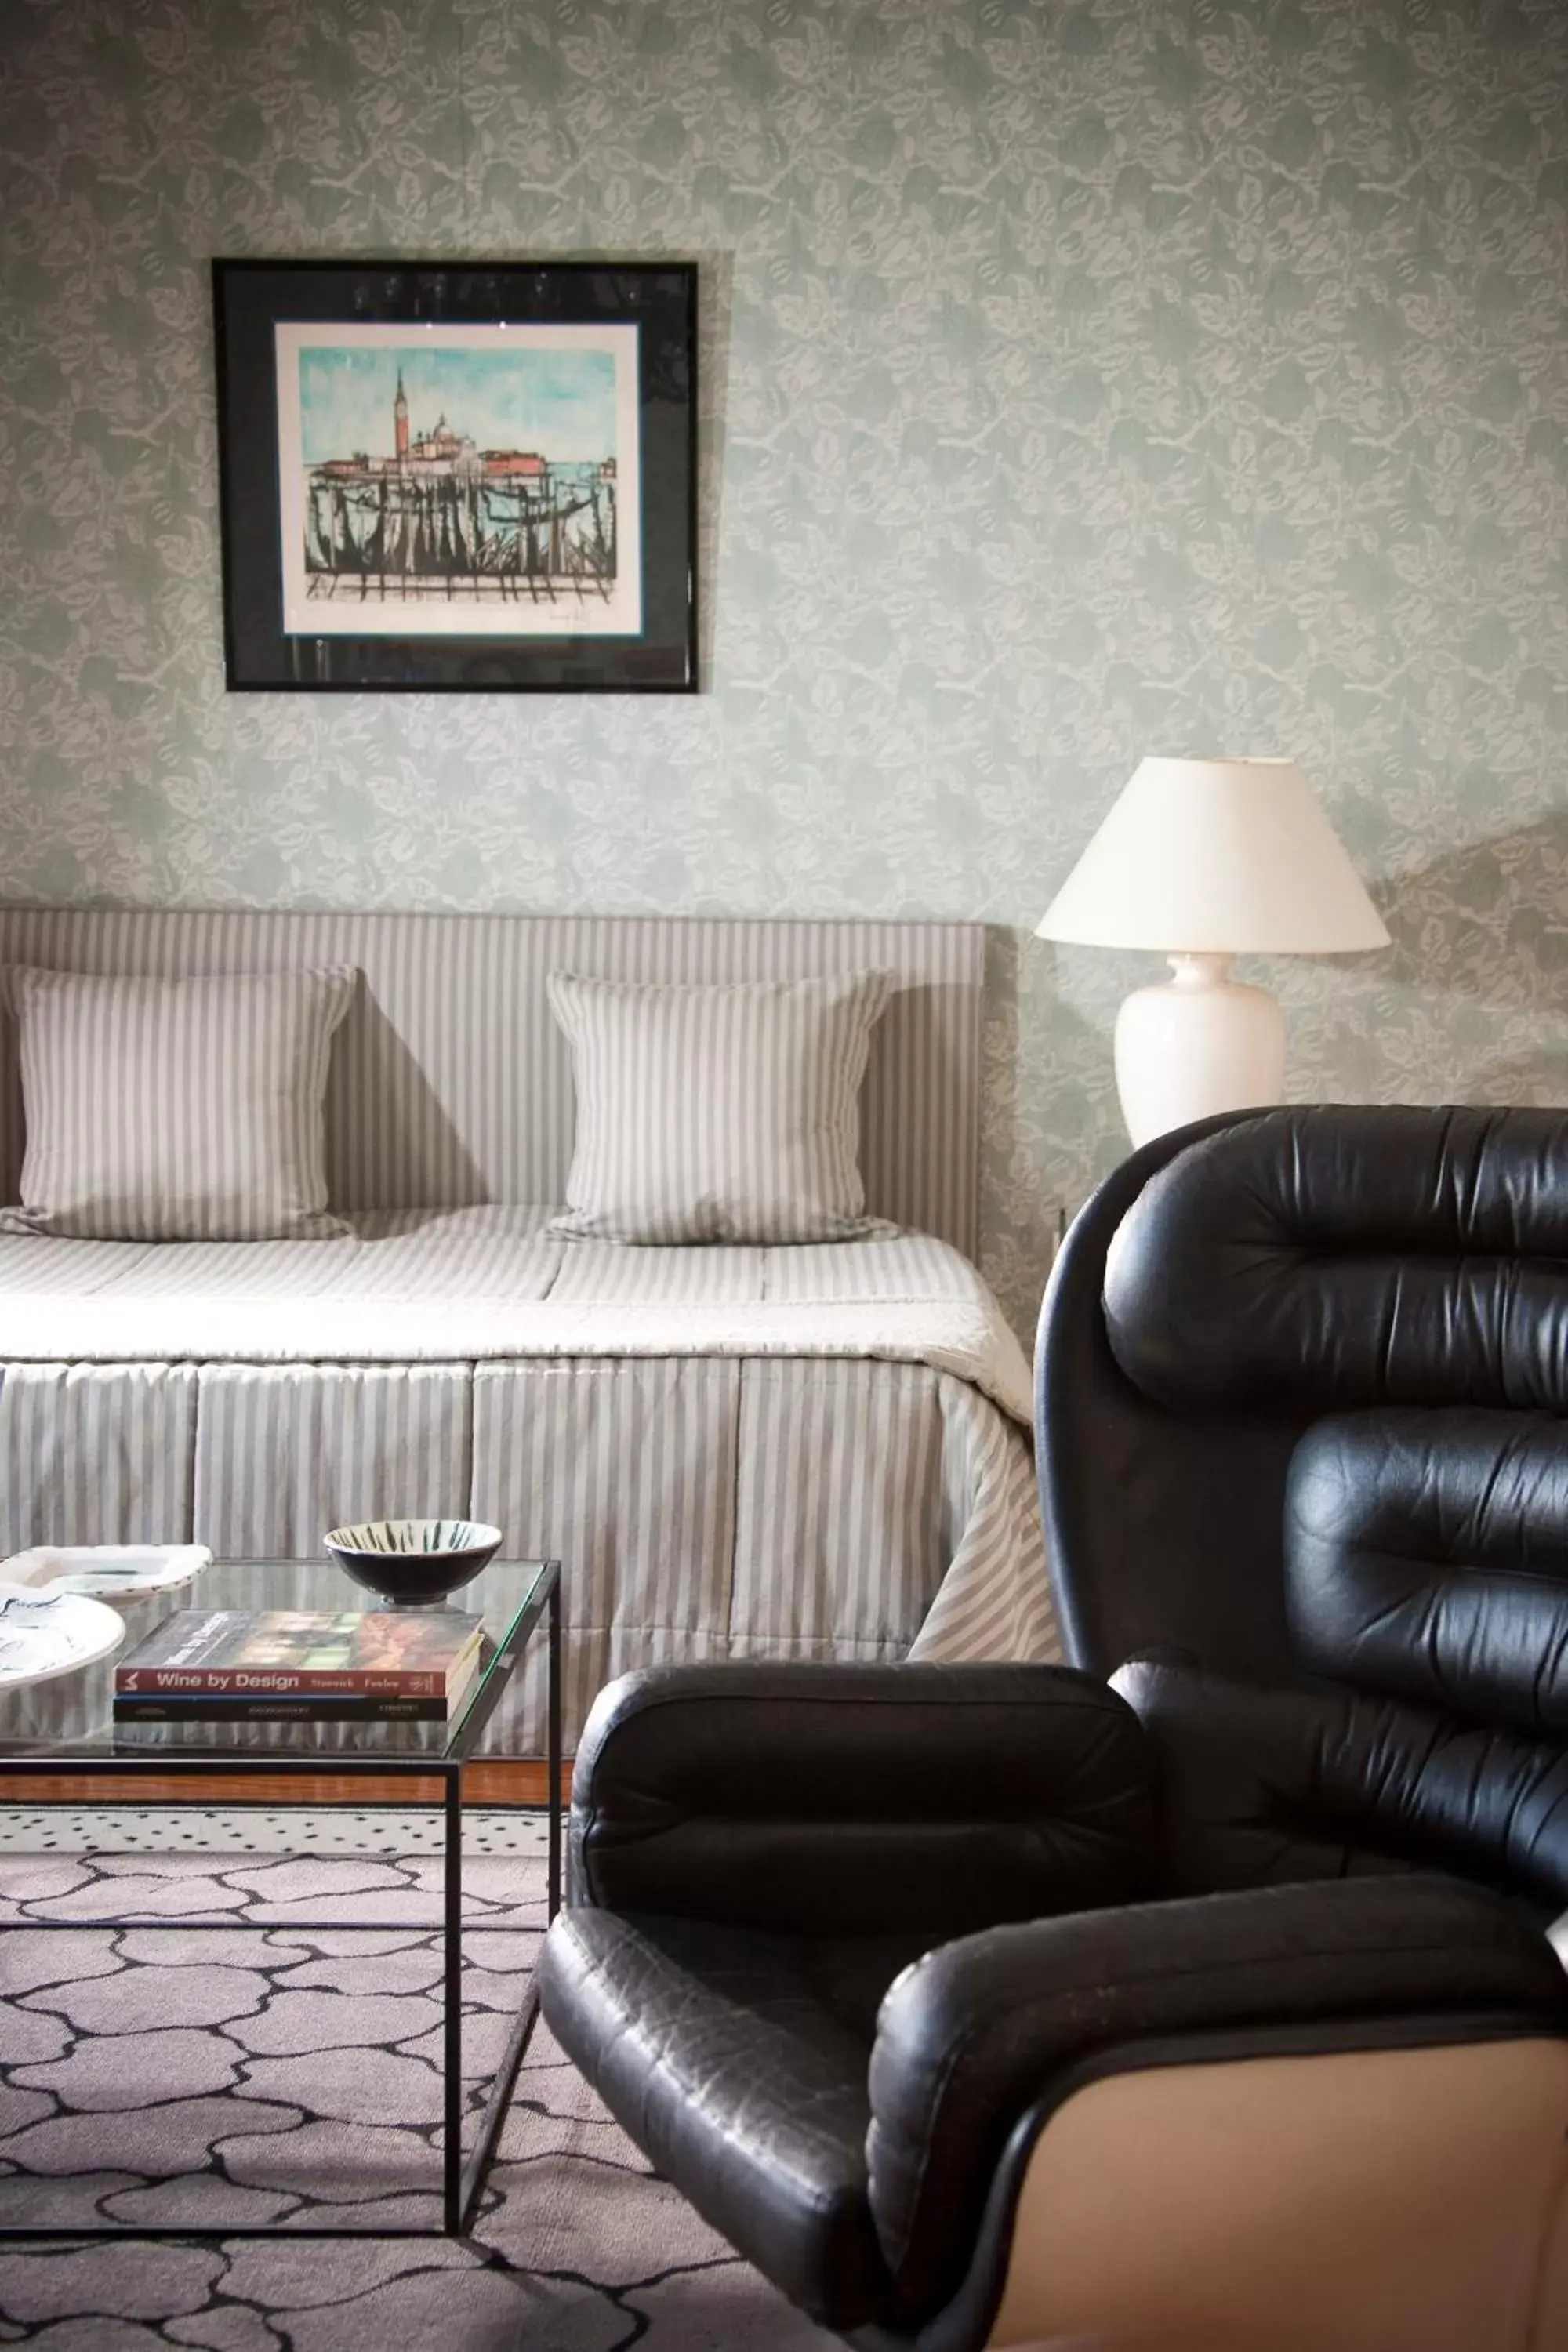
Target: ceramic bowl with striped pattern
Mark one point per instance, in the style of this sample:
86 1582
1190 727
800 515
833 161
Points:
410 1562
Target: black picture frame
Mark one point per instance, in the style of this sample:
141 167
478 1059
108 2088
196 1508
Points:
417 560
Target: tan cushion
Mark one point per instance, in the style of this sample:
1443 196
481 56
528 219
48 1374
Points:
718 1114
175 1110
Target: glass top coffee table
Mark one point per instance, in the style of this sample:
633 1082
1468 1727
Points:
66 1730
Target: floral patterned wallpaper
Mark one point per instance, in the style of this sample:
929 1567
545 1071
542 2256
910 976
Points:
1078 380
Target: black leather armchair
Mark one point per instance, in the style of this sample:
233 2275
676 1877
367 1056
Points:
987 2004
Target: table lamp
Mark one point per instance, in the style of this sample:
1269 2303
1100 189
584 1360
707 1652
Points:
1205 860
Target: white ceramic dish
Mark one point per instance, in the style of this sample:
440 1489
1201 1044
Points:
43 1634
108 1571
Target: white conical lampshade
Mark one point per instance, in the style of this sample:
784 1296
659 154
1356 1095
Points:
1217 856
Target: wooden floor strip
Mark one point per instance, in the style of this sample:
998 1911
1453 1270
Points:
520 1782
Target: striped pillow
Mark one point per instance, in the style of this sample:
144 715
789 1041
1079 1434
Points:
175 1110
718 1114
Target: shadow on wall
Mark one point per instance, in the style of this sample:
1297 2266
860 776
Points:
1051 1127
715 304
1480 934
1489 919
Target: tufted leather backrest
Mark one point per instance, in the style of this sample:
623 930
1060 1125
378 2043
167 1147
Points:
1399 1275
1303 1391
1262 1784
1426 1555
1328 1258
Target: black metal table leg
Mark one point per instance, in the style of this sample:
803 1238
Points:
553 1794
452 2003
500 2099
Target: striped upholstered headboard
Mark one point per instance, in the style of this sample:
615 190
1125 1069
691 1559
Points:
451 1082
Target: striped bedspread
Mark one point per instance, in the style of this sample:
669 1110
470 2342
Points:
816 1450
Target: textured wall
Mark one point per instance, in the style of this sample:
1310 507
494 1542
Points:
1079 379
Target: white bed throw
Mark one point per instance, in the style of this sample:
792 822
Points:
369 1299
815 1451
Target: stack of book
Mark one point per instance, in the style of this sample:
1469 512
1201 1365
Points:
287 1666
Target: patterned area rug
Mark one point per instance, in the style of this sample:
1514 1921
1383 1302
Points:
220 2061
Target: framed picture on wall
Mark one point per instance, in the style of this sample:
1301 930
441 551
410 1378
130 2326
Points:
458 475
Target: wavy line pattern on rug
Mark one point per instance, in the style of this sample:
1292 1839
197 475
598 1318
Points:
219 2059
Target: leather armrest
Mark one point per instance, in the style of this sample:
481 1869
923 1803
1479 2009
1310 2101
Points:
806 1798
975 2033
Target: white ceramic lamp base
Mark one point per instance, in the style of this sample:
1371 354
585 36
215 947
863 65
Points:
1198 1043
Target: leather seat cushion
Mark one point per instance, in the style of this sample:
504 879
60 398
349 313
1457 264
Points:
737 2060
1261 1785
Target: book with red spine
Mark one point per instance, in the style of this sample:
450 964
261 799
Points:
281 1654
209 1707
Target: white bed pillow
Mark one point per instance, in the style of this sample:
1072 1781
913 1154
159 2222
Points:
717 1113
175 1110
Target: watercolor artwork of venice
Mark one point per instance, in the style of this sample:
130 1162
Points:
459 480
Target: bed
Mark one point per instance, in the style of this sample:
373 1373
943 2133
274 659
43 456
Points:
814 1450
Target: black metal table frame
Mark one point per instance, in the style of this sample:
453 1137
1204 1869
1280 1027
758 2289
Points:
461 2183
